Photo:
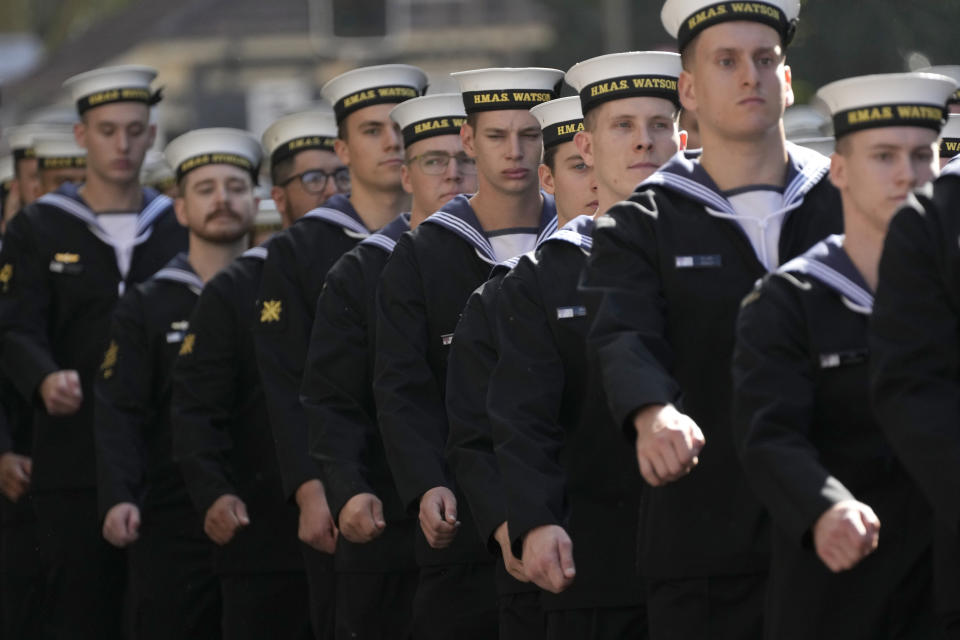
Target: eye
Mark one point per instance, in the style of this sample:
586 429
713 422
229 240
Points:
495 136
660 125
884 156
765 61
725 62
532 135
622 124
371 131
580 166
434 161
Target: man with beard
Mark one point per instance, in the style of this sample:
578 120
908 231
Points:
221 432
664 282
370 145
70 256
174 593
426 282
376 571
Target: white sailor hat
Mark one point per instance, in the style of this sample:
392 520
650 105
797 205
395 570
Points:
507 88
950 137
559 119
887 100
626 75
59 151
268 217
367 86
155 171
125 83
20 139
313 129
203 147
949 70
439 114
685 19
7 171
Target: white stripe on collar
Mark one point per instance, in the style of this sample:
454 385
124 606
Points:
260 253
173 274
380 240
860 299
467 232
145 218
339 218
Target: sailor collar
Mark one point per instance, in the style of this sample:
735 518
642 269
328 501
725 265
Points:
386 238
458 217
179 270
951 168
578 232
684 174
255 253
828 263
67 199
339 212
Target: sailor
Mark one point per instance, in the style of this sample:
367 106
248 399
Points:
370 145
803 426
222 435
59 159
422 291
67 260
950 139
20 140
664 282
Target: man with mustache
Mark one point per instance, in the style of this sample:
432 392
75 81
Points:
370 145
70 256
376 571
422 290
221 432
174 593
665 278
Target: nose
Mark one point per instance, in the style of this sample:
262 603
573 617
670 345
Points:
515 152
123 140
750 74
393 140
453 172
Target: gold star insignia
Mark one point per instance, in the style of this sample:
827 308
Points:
270 311
186 348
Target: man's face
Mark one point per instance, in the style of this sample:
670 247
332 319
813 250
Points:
629 139
876 169
738 83
51 179
216 203
116 137
302 194
436 170
373 149
507 146
572 183
28 180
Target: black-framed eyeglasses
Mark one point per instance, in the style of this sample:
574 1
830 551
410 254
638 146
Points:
315 180
434 163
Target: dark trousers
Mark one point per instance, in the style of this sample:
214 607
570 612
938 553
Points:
521 616
601 623
375 606
265 605
21 571
321 583
174 592
456 601
716 607
85 576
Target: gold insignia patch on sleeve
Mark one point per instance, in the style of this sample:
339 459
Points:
109 360
270 312
6 275
186 347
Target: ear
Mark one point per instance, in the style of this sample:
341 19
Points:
546 179
788 85
683 141
405 181
584 142
838 171
180 208
688 95
342 150
467 139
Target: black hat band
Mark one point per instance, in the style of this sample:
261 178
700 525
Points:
502 99
128 94
369 97
888 115
949 147
64 162
595 94
560 132
293 147
206 159
24 153
714 14
430 127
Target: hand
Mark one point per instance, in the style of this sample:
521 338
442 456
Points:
668 443
845 534
61 393
15 473
122 524
548 558
224 517
361 519
513 564
438 517
317 528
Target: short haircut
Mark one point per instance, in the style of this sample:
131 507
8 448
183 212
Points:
281 171
472 120
550 157
689 53
843 146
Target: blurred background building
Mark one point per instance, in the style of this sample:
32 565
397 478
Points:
243 63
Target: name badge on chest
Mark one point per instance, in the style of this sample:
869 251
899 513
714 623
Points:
566 313
703 261
68 263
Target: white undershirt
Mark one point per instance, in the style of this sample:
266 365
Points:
511 243
122 230
760 214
